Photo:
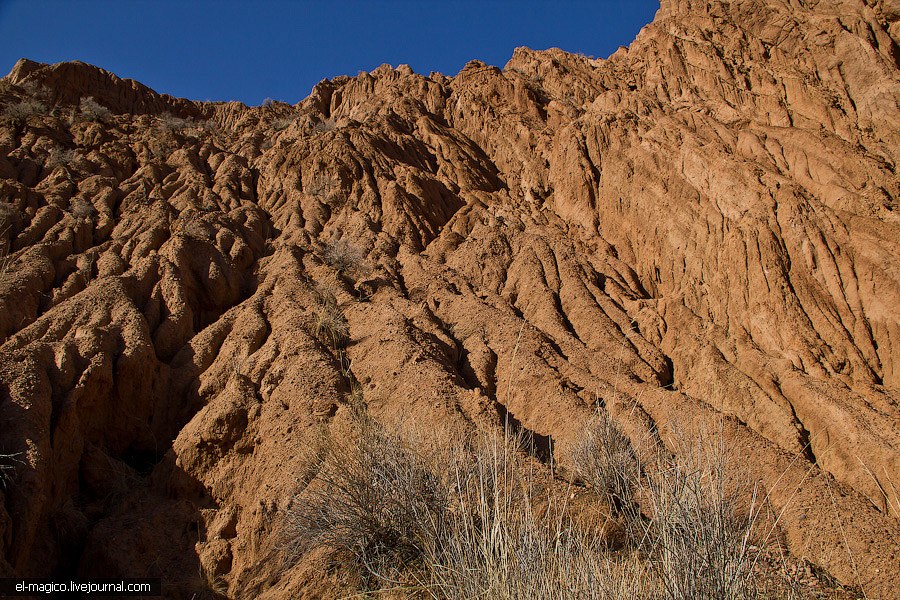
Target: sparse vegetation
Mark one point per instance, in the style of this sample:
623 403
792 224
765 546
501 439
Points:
19 112
606 460
330 325
508 537
170 123
94 111
702 546
345 257
60 158
476 520
6 258
82 209
282 123
323 126
321 187
374 504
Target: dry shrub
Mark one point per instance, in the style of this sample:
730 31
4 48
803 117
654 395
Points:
507 537
329 325
82 209
8 464
19 112
322 187
606 460
374 504
6 261
702 523
697 539
60 158
473 519
282 123
343 256
323 126
94 111
6 258
170 123
466 519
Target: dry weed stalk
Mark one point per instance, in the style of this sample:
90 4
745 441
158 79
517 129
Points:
605 459
6 258
702 523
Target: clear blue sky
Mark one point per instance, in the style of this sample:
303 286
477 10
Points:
248 51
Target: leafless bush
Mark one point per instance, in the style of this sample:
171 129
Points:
373 503
82 209
94 111
344 256
19 112
605 459
282 123
700 527
60 158
323 126
330 325
169 122
321 187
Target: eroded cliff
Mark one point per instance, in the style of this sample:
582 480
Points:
702 225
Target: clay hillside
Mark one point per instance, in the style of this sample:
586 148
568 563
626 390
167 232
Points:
698 238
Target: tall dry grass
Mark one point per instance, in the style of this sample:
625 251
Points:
374 503
605 459
507 538
703 516
478 518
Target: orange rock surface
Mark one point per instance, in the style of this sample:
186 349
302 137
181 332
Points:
703 225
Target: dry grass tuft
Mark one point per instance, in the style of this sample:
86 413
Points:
507 537
329 324
374 504
702 523
343 256
606 460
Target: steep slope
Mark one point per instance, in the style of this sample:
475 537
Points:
703 225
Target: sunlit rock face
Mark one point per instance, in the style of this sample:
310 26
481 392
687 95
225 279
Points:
702 226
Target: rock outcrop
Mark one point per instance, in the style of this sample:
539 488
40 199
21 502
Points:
702 228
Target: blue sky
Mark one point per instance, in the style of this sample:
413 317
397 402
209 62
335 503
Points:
249 51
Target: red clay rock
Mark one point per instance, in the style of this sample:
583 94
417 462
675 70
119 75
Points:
703 225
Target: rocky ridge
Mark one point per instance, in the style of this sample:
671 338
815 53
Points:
701 226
